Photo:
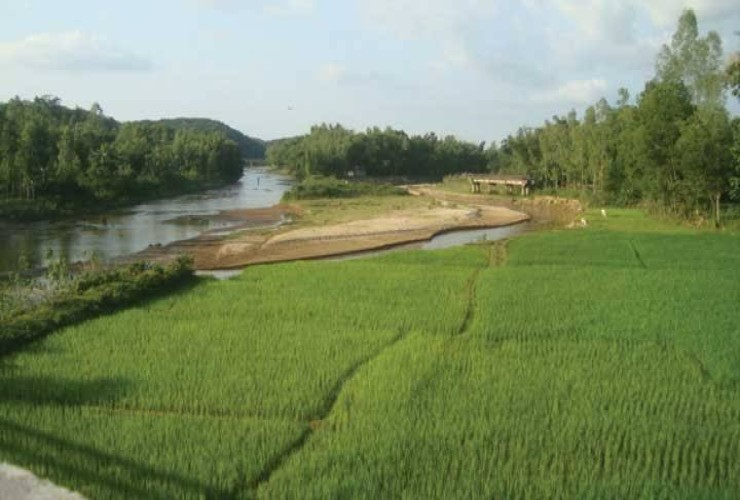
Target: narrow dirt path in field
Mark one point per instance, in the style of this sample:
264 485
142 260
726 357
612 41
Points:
281 458
496 257
470 307
636 252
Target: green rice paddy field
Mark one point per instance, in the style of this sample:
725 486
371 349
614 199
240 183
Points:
593 363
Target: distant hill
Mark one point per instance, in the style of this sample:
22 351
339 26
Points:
250 147
281 140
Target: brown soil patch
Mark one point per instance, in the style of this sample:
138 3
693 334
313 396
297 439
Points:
397 227
542 208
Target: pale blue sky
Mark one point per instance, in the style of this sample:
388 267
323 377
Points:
478 69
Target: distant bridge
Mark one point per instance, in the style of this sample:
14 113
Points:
509 181
255 162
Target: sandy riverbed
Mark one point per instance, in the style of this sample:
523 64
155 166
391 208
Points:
389 229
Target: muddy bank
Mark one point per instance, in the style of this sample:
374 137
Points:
285 243
547 209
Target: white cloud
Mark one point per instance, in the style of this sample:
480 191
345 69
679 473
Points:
666 12
454 53
602 19
411 19
280 8
449 24
604 35
213 3
616 20
290 7
573 92
330 73
366 78
72 51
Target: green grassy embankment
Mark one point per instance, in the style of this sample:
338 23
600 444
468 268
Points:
596 362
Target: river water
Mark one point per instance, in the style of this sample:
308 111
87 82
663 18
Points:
133 229
438 242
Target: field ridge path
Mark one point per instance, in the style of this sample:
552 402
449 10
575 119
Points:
281 458
496 257
636 252
470 286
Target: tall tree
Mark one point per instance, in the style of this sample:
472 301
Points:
695 61
705 159
662 108
732 72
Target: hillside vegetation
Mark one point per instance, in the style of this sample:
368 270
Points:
249 147
598 362
56 160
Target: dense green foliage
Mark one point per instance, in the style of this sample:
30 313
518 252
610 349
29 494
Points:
61 156
599 362
318 187
334 150
675 148
76 298
250 147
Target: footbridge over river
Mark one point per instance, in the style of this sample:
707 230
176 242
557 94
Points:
508 181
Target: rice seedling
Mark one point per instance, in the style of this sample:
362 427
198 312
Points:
267 351
597 363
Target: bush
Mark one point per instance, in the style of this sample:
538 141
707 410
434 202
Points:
94 294
330 187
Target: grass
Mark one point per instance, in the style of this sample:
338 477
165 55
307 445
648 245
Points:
320 187
449 418
334 211
265 351
589 363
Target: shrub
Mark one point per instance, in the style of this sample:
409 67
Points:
93 294
330 187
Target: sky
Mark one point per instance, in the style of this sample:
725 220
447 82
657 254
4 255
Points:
478 69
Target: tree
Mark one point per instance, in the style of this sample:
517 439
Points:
662 108
695 61
68 165
705 159
732 73
735 151
733 76
624 97
48 150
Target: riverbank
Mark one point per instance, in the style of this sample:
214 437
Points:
313 229
118 232
57 208
325 228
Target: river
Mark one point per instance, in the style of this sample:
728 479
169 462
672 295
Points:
130 230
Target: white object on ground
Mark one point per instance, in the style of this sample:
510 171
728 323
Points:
603 212
20 484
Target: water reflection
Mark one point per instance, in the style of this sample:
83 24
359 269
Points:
464 237
445 240
133 229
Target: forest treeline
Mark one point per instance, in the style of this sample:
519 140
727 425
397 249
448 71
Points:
250 147
55 157
333 150
674 147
